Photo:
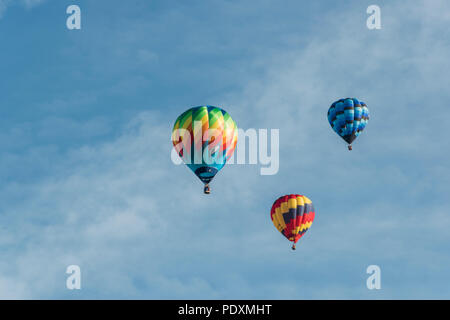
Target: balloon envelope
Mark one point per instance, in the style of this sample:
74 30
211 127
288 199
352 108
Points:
292 215
205 138
348 118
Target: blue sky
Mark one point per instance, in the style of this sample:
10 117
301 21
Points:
86 176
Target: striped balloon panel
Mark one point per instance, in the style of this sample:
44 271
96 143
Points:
205 138
348 118
292 215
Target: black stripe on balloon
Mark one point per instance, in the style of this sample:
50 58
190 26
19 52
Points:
288 216
300 210
349 138
329 110
308 208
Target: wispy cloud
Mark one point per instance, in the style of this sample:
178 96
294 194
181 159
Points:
4 4
140 227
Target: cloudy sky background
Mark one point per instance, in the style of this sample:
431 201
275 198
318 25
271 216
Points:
86 176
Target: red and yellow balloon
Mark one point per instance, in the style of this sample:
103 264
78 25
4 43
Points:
292 215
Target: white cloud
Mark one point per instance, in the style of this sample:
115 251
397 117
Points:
4 4
140 227
32 3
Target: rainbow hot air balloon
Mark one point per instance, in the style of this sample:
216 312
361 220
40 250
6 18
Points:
348 118
205 138
292 215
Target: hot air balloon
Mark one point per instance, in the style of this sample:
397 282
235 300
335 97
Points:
292 215
348 117
205 138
